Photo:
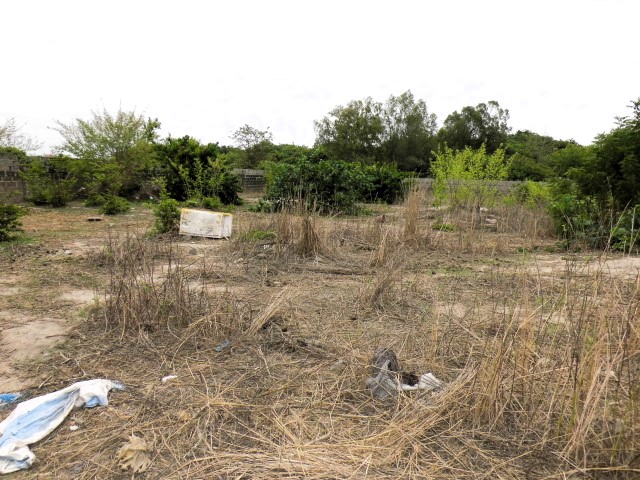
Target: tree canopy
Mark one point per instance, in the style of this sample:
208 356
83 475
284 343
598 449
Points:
114 152
400 131
486 123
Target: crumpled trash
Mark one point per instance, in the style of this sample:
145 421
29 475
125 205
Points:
387 380
8 398
134 455
34 419
222 346
427 382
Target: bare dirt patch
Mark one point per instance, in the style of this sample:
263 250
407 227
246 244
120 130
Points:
24 338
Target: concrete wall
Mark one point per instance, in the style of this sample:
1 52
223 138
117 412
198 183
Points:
12 187
252 180
503 186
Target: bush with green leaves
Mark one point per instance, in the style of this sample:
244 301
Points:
385 182
114 205
328 186
49 181
167 215
530 194
194 171
595 200
10 220
463 177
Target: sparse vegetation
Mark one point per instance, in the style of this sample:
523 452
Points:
114 205
9 220
267 338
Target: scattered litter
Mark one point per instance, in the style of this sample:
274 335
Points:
168 377
94 219
223 345
8 398
73 428
384 383
427 382
34 419
134 455
387 380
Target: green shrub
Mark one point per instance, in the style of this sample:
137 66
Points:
625 232
49 182
212 203
531 194
385 183
579 221
114 205
328 186
167 213
261 206
461 176
10 220
95 201
191 170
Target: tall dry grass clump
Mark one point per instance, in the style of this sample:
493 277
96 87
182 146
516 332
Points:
412 202
151 291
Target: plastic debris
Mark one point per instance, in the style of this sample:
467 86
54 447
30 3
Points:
222 346
168 377
73 428
34 419
7 398
388 380
384 383
134 455
427 382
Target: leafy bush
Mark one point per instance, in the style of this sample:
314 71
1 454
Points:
462 175
261 206
626 232
194 171
95 201
114 205
9 220
212 203
167 213
579 221
328 186
385 181
49 182
531 194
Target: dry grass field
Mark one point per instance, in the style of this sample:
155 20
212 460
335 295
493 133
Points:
539 349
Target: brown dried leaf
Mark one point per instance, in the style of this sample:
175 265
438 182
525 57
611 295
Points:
134 455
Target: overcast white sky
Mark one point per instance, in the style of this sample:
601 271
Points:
563 68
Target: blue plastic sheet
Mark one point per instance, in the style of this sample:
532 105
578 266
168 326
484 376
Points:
34 419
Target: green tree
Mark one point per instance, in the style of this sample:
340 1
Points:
486 123
285 153
409 136
255 145
531 155
618 158
115 152
353 132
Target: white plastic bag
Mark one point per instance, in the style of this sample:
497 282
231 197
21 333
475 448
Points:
34 419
